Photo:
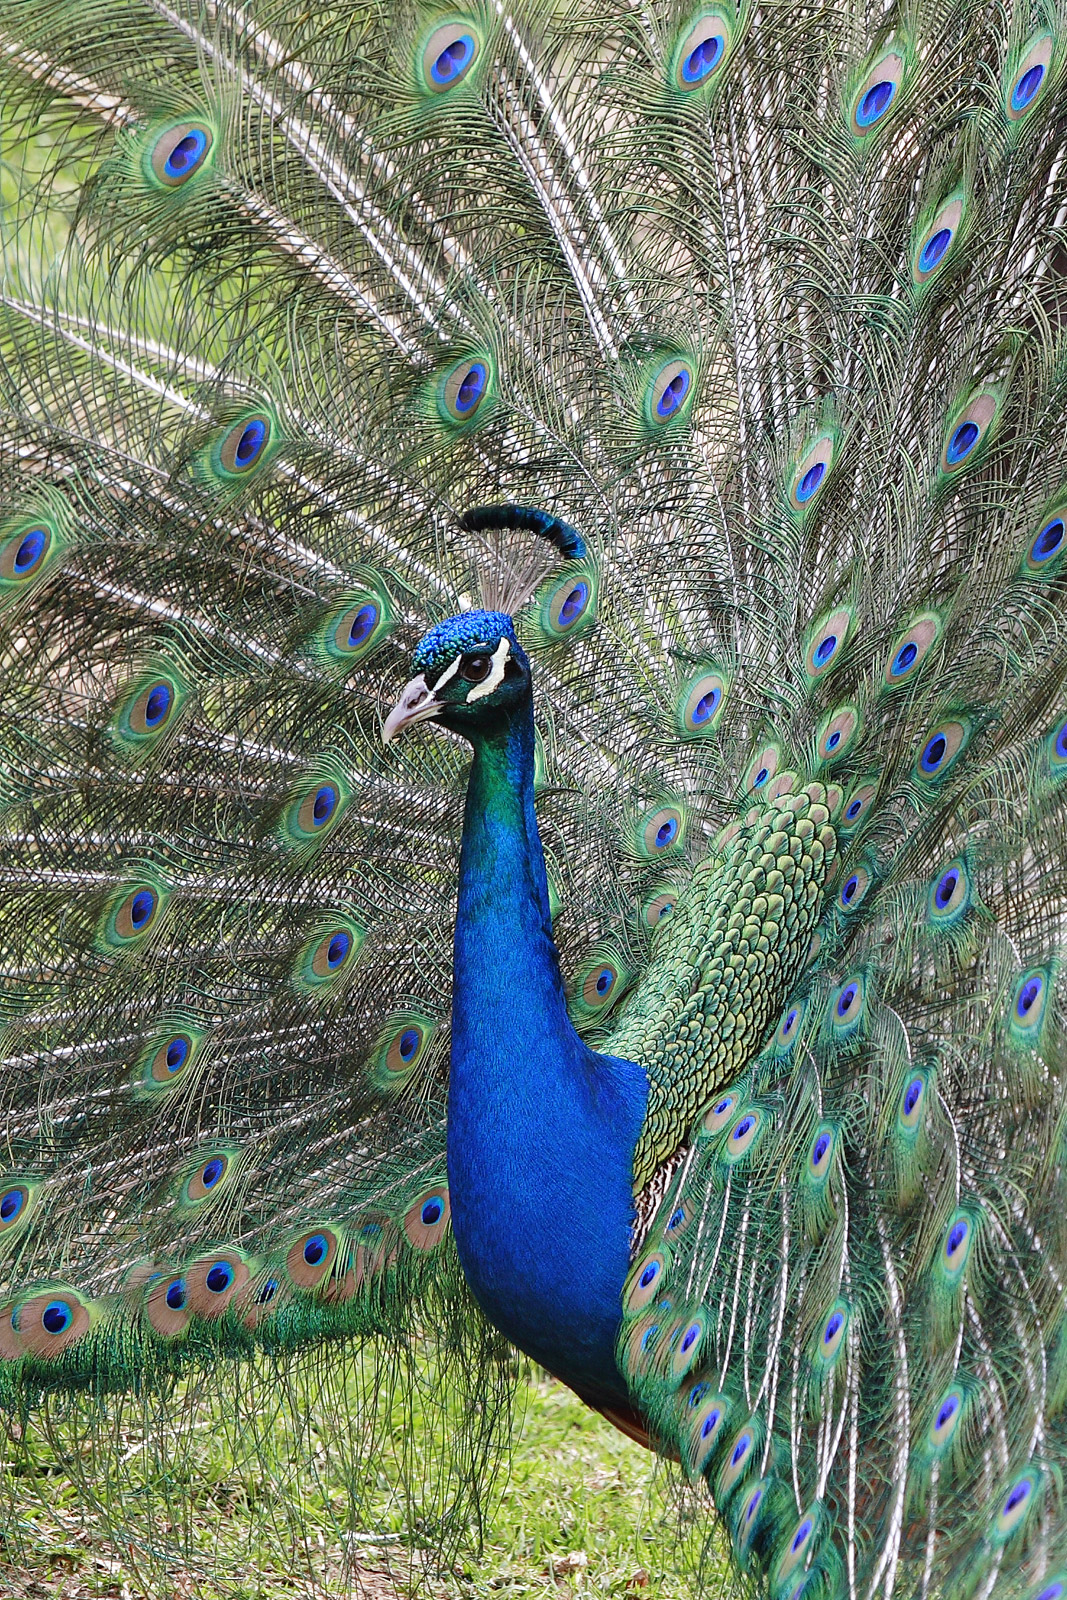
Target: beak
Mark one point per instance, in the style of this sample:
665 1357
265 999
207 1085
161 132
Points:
416 704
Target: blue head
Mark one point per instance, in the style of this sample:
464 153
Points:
472 673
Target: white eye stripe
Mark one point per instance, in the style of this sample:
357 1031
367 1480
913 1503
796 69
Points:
496 677
449 672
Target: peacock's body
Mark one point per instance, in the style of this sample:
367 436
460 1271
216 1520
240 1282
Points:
767 302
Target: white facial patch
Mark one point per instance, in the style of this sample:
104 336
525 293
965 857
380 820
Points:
449 672
496 677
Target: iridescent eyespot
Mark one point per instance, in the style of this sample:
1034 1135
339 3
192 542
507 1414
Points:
1028 1004
762 768
956 1246
739 1458
669 393
949 895
820 1155
701 703
1028 78
245 444
830 1339
911 649
912 1101
795 1550
1016 1506
571 607
706 1427
718 1113
310 1257
789 1028
211 1176
16 1204
171 1058
24 553
426 1219
968 430
645 1282
1046 544
1056 745
658 907
826 643
678 1221
219 1277
701 52
1056 1590
854 889
811 473
847 1004
936 240
858 805
940 749
448 55
948 1414
838 733
400 1051
876 94
743 1135
134 915
174 1294
57 1317
567 606
463 389
146 711
660 832
179 153
314 812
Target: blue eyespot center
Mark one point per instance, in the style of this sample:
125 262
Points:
251 442
677 1218
846 998
802 1534
790 1023
934 249
809 483
11 1204
316 1249
157 705
650 1274
854 809
363 624
574 605
175 1295
186 155
956 1236
1029 995
743 1127
1027 87
57 1317
267 1293
1048 541
946 887
432 1211
409 1043
703 59
833 1327
1061 743
934 753
673 394
904 658
692 1334
875 103
711 1422
323 805
337 949
666 832
1016 1495
962 442
453 61
741 1449
947 1412
761 778
1054 1591
177 1050
848 893
912 1095
604 981
818 1154
705 707
142 906
212 1172
220 1277
473 386
834 740
30 552
825 649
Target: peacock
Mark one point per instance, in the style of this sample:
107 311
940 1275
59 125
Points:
533 620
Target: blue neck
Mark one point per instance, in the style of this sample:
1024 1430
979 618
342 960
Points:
541 1129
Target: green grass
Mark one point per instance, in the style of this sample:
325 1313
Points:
582 1512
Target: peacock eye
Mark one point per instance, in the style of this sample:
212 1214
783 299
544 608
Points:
476 668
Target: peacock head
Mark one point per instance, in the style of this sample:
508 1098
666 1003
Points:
472 672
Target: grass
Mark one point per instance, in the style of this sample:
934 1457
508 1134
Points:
582 1512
